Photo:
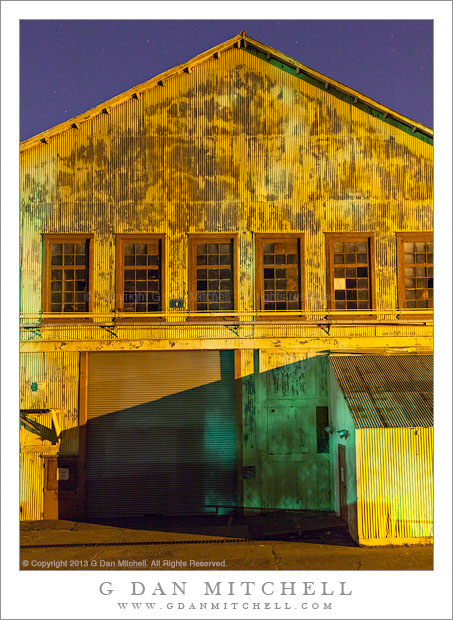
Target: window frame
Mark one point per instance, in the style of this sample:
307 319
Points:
402 237
48 239
120 241
260 240
195 238
345 237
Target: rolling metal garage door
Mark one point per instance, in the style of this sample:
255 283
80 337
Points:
161 432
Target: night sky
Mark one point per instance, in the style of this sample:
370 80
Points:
67 67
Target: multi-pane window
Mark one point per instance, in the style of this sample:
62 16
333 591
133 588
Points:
212 274
415 270
350 283
67 268
139 272
280 277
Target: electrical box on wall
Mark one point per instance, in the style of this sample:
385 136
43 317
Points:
249 472
62 473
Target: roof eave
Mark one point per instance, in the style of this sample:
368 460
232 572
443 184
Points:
338 85
240 40
128 94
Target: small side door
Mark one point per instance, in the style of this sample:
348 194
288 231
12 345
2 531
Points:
60 487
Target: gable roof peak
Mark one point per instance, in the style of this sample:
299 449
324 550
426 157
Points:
265 52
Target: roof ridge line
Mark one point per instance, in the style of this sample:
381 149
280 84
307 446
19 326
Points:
241 40
341 87
124 96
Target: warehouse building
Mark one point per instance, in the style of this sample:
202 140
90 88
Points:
226 301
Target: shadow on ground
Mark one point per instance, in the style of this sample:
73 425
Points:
302 526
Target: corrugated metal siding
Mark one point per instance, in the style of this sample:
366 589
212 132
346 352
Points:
236 145
338 336
395 482
31 485
386 390
161 432
57 375
293 374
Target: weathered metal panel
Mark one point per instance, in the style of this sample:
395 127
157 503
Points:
31 485
290 385
240 144
236 145
394 483
272 57
57 377
387 390
246 367
148 343
292 335
341 419
303 484
298 374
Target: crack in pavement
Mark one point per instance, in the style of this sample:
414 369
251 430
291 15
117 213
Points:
276 560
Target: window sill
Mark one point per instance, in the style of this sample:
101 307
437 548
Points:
57 320
297 317
138 319
403 315
347 316
212 317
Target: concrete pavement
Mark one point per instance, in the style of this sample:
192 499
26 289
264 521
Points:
66 545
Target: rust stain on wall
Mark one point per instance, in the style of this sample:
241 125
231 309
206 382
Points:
236 145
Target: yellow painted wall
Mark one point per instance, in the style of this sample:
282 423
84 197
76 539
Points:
394 484
237 145
57 375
